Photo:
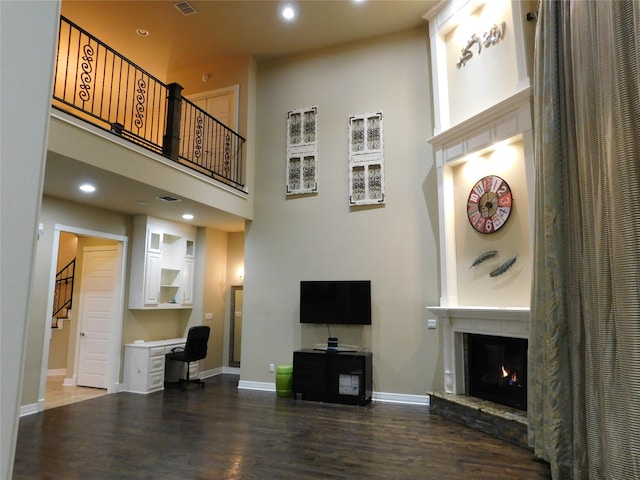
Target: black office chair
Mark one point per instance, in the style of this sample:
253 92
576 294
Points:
195 349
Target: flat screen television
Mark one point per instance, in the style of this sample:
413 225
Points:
346 302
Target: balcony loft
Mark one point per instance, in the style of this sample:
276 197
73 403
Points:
96 84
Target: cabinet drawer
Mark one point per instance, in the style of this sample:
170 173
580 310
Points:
156 380
156 351
156 364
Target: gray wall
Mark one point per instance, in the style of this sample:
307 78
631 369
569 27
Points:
321 237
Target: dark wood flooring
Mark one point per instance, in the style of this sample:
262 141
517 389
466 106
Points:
221 432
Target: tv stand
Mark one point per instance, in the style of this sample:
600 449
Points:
333 377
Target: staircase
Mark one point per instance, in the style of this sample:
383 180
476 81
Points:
63 294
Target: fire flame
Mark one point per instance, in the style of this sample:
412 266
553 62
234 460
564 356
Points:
513 376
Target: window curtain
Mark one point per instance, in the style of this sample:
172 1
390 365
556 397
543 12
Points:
584 345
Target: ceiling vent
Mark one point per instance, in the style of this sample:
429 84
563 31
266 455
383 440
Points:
185 8
168 198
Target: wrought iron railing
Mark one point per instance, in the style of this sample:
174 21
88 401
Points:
209 144
96 83
63 292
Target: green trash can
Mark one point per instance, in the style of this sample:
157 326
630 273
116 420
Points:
284 380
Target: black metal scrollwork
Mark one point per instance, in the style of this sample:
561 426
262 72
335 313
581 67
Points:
140 102
227 152
85 76
197 150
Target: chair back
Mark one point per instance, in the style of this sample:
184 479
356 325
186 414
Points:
196 346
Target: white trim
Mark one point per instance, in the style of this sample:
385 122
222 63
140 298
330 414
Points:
382 397
56 371
401 398
29 409
211 373
507 120
231 370
262 386
455 321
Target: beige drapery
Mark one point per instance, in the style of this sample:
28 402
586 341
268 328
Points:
584 360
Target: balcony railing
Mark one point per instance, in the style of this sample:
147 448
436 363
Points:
96 83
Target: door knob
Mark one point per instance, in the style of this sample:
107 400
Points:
82 334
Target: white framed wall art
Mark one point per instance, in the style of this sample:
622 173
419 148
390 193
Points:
366 159
302 151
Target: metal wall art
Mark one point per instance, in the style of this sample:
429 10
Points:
366 159
492 37
302 151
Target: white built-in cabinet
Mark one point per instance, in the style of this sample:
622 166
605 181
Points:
162 264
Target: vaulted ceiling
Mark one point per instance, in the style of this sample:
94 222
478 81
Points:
219 29
224 28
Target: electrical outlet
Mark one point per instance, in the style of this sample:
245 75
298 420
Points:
272 367
208 316
432 324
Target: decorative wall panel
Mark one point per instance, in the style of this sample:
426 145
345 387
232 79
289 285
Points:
366 159
302 151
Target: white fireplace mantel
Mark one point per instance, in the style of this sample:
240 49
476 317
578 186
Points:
456 321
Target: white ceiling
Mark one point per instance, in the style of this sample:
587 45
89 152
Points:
220 28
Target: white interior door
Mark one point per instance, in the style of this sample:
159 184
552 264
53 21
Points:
221 104
100 276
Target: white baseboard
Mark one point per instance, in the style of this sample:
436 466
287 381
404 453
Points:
231 370
402 398
263 386
381 397
56 371
29 409
210 373
69 381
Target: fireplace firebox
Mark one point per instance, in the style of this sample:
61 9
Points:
497 369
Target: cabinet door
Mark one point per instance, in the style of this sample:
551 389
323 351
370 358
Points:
187 281
152 279
154 240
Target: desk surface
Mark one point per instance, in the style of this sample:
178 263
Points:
158 343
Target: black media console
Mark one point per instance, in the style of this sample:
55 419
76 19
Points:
335 377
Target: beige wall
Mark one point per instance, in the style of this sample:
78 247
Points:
320 237
214 291
484 80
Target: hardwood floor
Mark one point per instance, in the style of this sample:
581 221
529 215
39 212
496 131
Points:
57 394
220 432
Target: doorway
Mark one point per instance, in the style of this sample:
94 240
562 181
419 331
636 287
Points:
235 326
99 284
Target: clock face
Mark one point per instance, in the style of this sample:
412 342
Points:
489 204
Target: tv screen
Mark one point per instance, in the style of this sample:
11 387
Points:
345 302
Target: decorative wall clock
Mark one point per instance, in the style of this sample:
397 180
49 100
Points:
489 204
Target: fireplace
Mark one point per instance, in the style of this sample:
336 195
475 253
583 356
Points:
496 369
459 322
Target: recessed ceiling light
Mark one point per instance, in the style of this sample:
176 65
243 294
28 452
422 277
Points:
288 11
87 188
187 216
142 32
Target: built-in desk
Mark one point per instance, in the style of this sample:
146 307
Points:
144 364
